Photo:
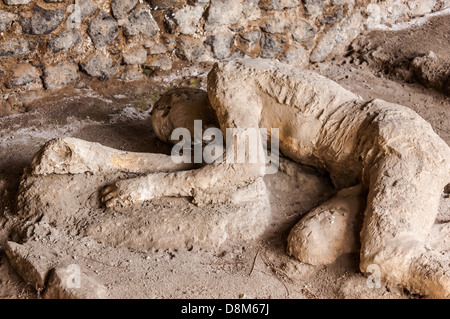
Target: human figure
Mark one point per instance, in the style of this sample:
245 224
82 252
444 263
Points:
391 151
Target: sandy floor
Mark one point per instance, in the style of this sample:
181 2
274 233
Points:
116 115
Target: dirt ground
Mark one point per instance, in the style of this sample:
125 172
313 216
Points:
116 114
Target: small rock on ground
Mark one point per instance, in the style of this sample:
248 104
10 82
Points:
73 282
32 265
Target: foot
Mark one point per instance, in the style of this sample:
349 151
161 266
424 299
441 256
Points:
430 275
413 265
53 158
70 156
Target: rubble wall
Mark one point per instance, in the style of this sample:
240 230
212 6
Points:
46 45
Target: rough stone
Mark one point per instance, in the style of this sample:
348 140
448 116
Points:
163 63
16 2
252 36
156 48
45 21
86 7
248 44
189 49
60 75
296 55
251 10
431 70
383 14
23 74
314 7
224 12
337 38
25 23
334 15
100 66
131 73
278 4
62 284
64 41
14 47
302 31
420 8
188 19
168 42
270 47
120 8
33 265
276 25
221 44
6 20
103 30
138 56
140 21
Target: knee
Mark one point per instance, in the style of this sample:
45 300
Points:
328 231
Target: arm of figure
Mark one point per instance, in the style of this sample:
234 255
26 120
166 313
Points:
239 113
75 156
214 178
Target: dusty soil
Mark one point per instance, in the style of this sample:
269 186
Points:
116 115
418 54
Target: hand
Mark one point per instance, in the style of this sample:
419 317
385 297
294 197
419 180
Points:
115 194
127 192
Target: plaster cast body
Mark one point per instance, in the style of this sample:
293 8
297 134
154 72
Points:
400 162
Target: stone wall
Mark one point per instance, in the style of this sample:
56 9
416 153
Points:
47 45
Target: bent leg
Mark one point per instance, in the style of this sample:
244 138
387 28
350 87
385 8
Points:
407 166
398 218
75 156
